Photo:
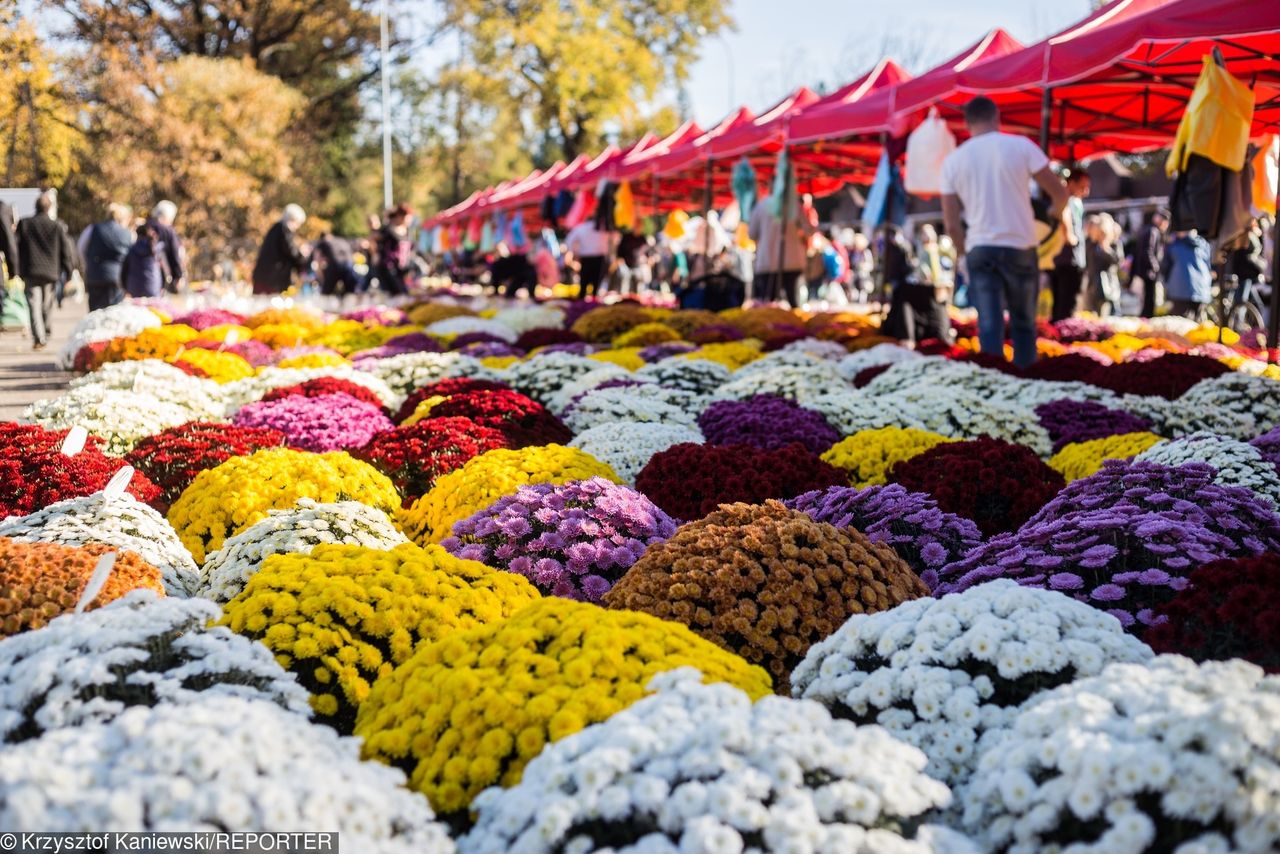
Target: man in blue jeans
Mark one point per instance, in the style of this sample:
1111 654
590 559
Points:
989 178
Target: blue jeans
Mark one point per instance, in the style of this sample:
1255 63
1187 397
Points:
1000 276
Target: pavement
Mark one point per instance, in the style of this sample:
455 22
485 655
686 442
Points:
27 375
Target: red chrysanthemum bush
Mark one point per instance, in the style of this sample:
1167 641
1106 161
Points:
27 438
414 456
546 336
1069 367
520 418
190 369
1168 376
34 479
89 357
997 484
445 388
689 481
863 378
765 582
321 386
1223 613
173 457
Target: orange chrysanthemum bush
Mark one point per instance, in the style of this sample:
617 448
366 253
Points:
162 342
280 316
765 582
602 325
428 313
762 321
342 616
40 581
687 320
470 711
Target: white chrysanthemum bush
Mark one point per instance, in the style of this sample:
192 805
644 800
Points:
948 675
1238 463
223 763
1169 756
140 650
298 529
627 446
701 768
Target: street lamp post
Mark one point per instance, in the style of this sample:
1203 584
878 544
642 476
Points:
387 195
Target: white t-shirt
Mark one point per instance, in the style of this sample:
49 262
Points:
586 241
991 174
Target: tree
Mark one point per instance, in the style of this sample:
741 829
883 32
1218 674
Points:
38 134
574 65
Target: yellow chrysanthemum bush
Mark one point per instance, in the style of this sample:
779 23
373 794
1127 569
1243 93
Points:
869 454
288 316
350 336
224 500
731 354
429 312
490 476
646 334
313 360
160 342
472 710
344 616
627 358
278 335
222 330
1081 459
602 325
222 367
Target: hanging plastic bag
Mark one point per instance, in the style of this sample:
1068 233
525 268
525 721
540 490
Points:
583 207
1216 122
927 147
745 186
677 220
624 206
1266 175
14 314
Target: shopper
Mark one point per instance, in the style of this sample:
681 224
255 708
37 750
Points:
105 247
336 261
45 255
393 251
169 243
1102 265
8 252
1148 258
144 270
587 250
1187 274
1067 278
281 254
987 178
778 262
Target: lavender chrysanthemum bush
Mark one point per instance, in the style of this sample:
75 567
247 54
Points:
329 422
1071 421
910 523
1268 444
766 421
1124 539
572 540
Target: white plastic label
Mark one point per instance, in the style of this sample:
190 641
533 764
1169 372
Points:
233 337
74 443
119 483
101 573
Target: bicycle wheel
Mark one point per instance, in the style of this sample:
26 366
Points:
1246 317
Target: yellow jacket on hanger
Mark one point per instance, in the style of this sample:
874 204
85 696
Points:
1216 123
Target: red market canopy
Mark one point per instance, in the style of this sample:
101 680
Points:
874 112
635 164
769 126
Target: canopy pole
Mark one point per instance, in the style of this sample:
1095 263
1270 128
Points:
1046 118
779 274
707 204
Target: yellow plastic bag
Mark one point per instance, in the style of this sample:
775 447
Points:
624 206
675 227
1266 173
1216 123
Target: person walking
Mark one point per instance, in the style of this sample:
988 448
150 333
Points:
1067 278
45 255
105 248
1102 265
587 248
8 251
144 269
336 259
393 251
1188 275
778 262
281 254
1148 259
987 178
169 243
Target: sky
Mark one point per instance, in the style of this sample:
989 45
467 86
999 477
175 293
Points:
779 45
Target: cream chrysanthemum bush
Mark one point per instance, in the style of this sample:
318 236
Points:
1234 405
140 650
627 446
560 399
454 326
118 321
696 375
647 403
409 371
948 675
1170 756
222 762
203 398
121 522
118 417
881 354
544 374
522 318
698 767
297 529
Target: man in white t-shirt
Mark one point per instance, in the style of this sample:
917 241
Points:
587 248
989 177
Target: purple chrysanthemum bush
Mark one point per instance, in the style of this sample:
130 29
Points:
1123 540
766 421
572 540
329 422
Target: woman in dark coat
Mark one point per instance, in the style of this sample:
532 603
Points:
281 254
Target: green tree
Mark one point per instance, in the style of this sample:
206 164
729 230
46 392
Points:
575 65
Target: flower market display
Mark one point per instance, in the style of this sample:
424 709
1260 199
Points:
341 616
948 675
573 540
765 582
699 767
40 581
473 709
1168 756
117 521
224 500
605 574
299 529
140 650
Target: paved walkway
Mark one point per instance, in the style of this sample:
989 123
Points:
26 375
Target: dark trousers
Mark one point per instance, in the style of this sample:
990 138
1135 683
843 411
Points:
1187 308
40 299
103 294
590 274
1066 283
775 285
1000 276
340 279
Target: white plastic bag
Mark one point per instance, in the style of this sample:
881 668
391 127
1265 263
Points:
927 147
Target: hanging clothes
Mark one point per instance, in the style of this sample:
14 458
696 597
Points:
746 184
624 206
583 208
603 216
1216 122
487 241
677 221
927 147
887 198
518 238
564 203
500 221
783 203
547 210
1266 175
475 231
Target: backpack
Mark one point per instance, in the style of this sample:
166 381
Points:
1050 239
